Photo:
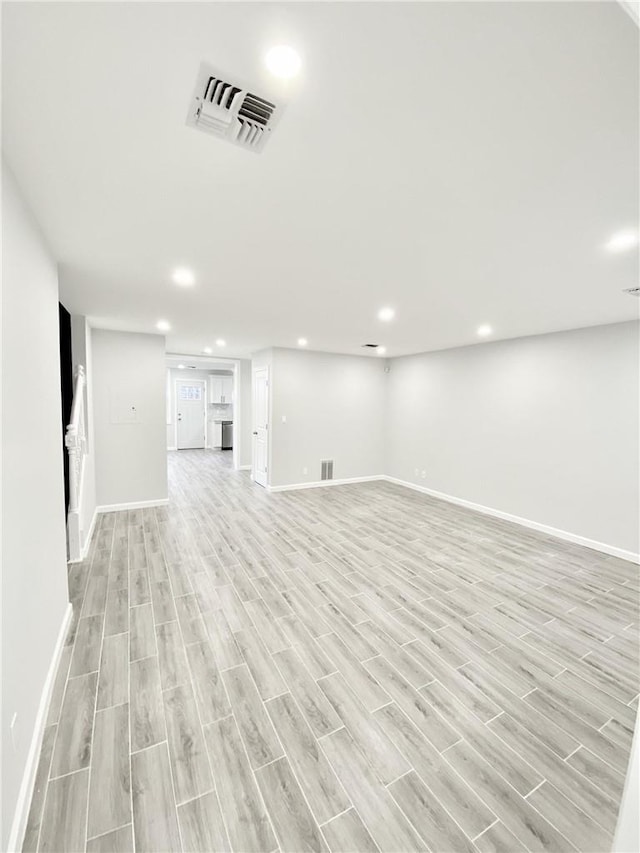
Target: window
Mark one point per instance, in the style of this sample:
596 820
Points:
190 392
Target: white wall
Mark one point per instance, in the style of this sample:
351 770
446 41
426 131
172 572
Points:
245 414
34 578
81 355
334 407
131 461
545 428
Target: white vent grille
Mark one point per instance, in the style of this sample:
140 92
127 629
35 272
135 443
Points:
231 110
326 469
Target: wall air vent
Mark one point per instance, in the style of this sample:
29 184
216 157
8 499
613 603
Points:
326 469
228 109
370 346
633 291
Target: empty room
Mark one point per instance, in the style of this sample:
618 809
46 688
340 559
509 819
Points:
320 427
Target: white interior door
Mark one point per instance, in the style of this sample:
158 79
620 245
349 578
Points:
190 414
260 424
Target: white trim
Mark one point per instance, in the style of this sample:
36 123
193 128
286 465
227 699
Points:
204 361
132 505
172 448
321 483
612 550
87 539
244 467
21 813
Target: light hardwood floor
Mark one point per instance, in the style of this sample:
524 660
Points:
356 668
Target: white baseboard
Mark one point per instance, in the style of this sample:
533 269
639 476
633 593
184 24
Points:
612 550
87 539
321 483
132 505
172 448
243 468
21 813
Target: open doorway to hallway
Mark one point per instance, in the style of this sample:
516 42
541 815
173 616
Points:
203 411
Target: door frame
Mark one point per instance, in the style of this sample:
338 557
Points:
254 370
239 415
175 408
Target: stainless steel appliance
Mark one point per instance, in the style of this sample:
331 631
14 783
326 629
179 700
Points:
227 435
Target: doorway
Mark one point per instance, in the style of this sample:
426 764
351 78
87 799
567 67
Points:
224 403
261 425
191 421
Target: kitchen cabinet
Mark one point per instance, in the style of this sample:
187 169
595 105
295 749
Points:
220 389
227 389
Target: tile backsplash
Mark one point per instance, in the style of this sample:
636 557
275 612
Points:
218 410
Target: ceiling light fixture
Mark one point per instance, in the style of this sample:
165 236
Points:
207 350
163 325
484 330
221 343
386 314
381 350
622 241
183 277
181 367
283 61
302 342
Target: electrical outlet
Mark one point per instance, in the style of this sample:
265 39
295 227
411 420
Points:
305 470
284 419
424 475
417 472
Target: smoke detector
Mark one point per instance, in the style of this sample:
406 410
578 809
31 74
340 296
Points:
229 109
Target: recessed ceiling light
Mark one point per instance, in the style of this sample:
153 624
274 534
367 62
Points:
183 276
484 330
283 61
302 342
381 350
386 314
208 350
221 343
181 367
163 325
622 241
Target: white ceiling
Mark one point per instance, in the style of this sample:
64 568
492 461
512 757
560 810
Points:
463 162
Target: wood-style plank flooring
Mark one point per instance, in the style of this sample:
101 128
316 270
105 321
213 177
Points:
357 668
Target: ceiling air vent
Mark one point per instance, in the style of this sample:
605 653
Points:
230 110
633 291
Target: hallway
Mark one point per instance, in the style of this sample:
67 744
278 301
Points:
352 668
